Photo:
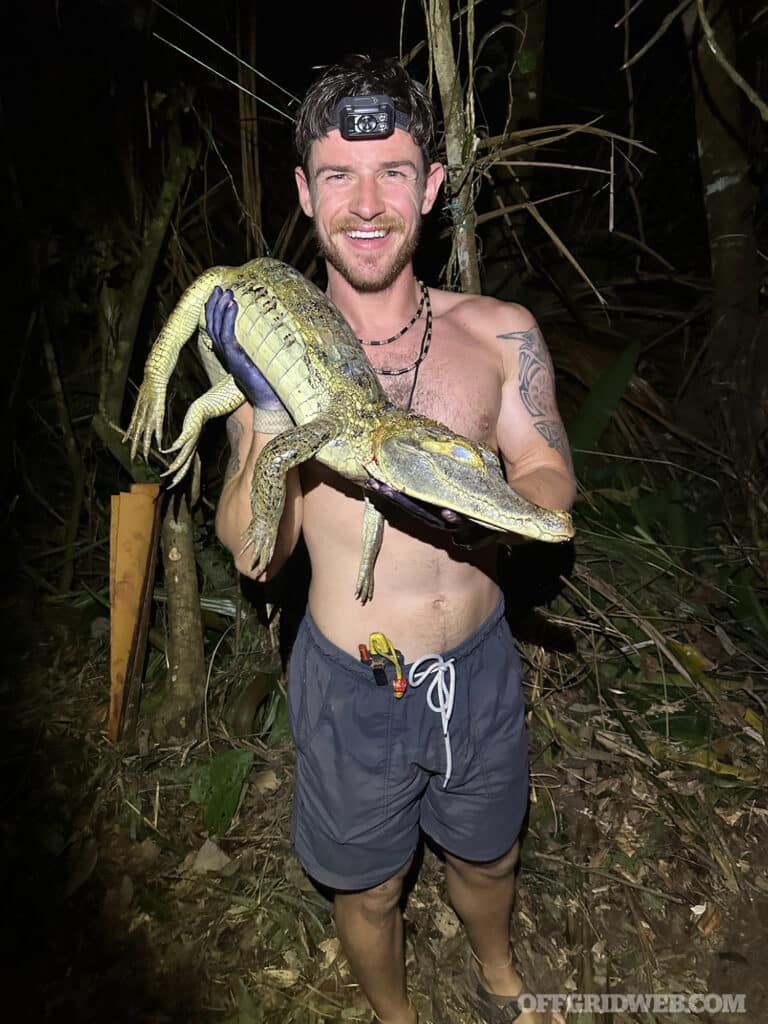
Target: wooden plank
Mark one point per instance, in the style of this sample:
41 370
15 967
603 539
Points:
133 543
132 696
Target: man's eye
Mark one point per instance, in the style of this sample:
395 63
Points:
395 174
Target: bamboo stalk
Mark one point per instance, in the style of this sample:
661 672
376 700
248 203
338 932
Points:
459 137
249 142
178 718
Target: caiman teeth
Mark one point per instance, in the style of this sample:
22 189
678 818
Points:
379 233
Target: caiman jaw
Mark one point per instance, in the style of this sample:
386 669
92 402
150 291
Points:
425 462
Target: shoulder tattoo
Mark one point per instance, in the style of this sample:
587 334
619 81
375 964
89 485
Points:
535 374
234 435
536 384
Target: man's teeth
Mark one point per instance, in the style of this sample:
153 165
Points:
366 234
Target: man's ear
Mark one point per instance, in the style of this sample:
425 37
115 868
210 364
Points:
305 195
435 175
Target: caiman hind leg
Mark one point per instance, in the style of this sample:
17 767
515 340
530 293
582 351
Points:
224 397
373 532
279 455
149 411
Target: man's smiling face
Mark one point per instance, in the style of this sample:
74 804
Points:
367 198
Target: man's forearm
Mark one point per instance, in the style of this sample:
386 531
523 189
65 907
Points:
233 514
546 486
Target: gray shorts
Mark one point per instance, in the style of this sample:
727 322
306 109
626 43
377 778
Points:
372 769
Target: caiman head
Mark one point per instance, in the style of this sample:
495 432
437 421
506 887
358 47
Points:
424 460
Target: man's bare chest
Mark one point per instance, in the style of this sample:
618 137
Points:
455 384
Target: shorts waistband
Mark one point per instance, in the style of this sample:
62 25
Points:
348 662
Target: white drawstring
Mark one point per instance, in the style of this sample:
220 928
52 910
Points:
445 689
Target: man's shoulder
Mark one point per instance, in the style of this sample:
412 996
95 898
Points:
481 311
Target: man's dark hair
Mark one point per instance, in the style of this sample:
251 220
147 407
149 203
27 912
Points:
362 76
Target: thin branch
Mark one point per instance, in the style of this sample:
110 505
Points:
645 247
566 130
722 60
229 53
543 163
230 81
483 218
631 119
629 13
560 244
74 457
612 192
662 29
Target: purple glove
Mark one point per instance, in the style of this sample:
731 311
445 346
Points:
465 533
220 314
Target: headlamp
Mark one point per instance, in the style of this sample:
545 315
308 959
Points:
367 117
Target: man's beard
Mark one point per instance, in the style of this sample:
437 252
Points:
329 251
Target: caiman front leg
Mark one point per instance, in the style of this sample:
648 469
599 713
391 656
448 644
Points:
279 455
373 532
224 397
149 412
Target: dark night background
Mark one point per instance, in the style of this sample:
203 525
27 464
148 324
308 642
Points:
88 94
88 99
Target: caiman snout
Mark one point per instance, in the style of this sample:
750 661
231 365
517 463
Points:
426 461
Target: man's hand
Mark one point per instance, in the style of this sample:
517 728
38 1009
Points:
220 314
462 530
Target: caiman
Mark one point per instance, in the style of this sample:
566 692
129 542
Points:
313 361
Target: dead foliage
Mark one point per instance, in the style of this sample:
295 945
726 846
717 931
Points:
645 848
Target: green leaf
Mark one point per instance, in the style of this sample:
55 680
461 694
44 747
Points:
217 786
526 61
663 516
277 725
586 428
749 608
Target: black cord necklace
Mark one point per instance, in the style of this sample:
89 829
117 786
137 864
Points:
408 326
426 341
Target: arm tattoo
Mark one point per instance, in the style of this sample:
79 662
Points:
535 375
234 435
537 388
554 434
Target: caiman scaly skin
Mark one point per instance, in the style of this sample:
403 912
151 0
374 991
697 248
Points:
311 358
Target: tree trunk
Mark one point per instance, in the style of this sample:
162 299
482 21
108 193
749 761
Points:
249 136
504 264
459 140
730 372
178 718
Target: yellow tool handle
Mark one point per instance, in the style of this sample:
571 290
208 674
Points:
381 645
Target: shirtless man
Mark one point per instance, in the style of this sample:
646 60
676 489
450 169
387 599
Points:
372 770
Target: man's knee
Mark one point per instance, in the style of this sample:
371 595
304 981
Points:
377 903
490 870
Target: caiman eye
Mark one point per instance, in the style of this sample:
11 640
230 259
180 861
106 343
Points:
461 452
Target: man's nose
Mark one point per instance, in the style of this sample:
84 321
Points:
367 202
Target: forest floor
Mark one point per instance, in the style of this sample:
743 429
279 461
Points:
120 907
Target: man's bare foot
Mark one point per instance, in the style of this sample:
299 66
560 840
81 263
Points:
505 980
